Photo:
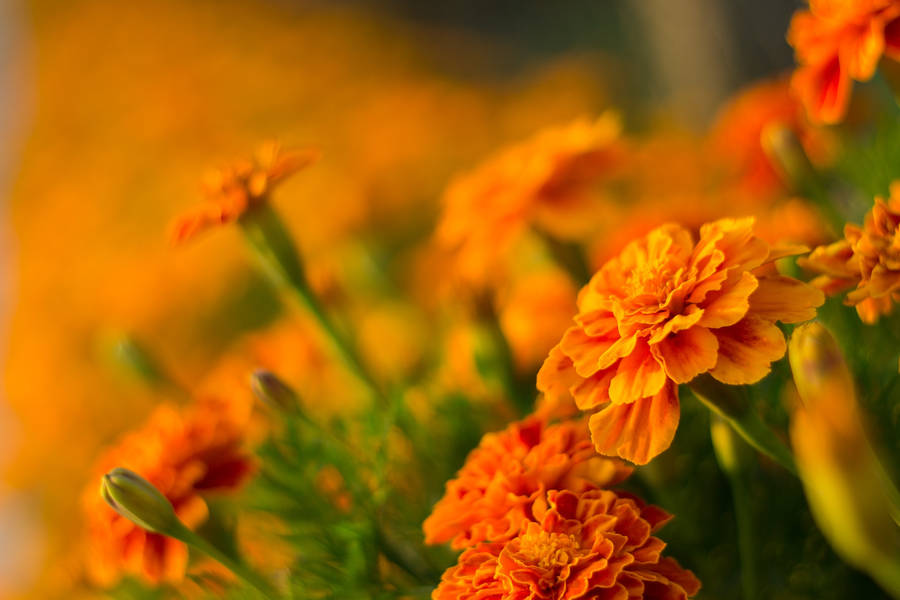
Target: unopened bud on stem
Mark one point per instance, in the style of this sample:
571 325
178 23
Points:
139 501
851 497
273 392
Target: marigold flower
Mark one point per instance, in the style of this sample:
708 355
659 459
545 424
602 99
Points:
542 181
868 257
234 189
590 544
736 136
185 454
664 311
836 42
493 495
533 311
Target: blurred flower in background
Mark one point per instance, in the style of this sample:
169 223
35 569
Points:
473 164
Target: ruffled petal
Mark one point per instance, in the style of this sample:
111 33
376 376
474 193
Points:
638 431
557 375
639 375
780 298
824 90
688 353
747 349
584 350
729 305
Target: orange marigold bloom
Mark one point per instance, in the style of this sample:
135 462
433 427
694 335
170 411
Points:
868 257
492 497
835 42
542 181
735 138
591 544
534 309
664 311
185 454
233 190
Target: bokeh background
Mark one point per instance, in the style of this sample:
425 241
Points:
111 111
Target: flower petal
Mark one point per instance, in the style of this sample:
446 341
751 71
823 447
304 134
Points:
637 431
688 353
584 350
727 306
593 391
557 375
780 298
639 375
621 348
747 349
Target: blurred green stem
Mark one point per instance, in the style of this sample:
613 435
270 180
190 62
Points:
243 572
568 255
406 557
494 358
731 404
730 453
278 256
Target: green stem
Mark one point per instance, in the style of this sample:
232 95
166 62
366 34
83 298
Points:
729 403
405 557
567 255
887 574
280 260
729 454
249 576
496 361
801 176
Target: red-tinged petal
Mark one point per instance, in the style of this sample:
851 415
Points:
621 348
892 39
871 309
729 305
674 573
737 242
638 431
557 375
593 391
691 316
780 298
584 350
747 350
688 353
639 375
824 90
861 53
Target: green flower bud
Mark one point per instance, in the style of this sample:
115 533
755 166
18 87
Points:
139 501
273 392
851 498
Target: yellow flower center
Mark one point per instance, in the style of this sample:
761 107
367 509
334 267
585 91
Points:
549 550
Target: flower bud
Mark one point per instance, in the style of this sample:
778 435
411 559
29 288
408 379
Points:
273 392
730 451
819 368
786 153
848 491
139 501
126 355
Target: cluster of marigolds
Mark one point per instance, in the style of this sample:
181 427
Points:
533 510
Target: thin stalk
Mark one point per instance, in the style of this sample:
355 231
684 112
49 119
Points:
499 361
407 558
731 459
278 256
729 403
568 255
246 574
